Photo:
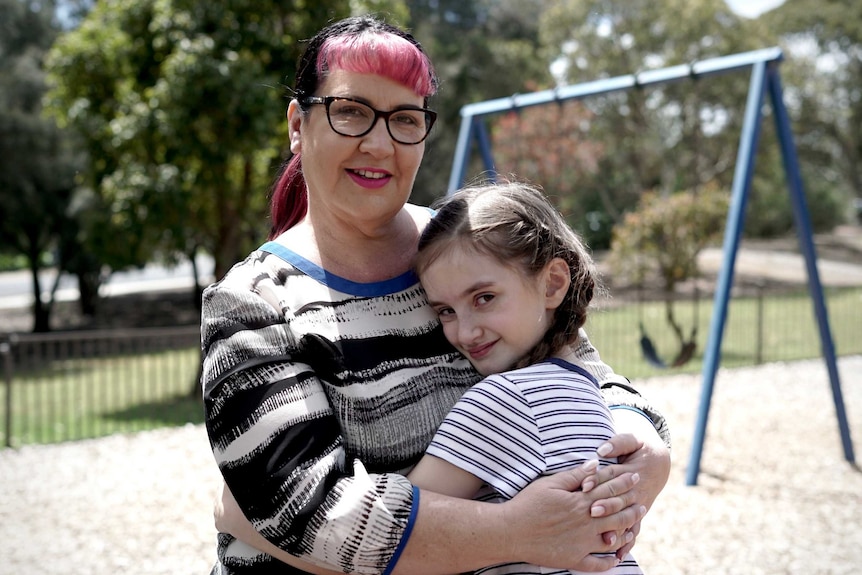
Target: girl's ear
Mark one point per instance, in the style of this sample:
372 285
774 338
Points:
294 124
558 278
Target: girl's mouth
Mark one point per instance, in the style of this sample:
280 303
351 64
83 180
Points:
481 351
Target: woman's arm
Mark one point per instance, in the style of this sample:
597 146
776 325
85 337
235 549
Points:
640 450
229 518
547 521
278 443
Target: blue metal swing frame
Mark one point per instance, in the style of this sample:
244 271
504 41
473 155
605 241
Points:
765 80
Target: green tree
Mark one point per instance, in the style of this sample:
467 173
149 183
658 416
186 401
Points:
659 242
823 76
37 163
666 137
181 108
482 49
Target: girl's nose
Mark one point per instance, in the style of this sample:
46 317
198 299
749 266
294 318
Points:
468 329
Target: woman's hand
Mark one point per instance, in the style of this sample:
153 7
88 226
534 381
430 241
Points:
229 518
639 450
549 522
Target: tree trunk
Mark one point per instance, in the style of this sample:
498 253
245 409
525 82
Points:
41 310
88 290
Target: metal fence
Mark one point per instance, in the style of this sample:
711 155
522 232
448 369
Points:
74 385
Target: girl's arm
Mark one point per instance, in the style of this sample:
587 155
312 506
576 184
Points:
440 476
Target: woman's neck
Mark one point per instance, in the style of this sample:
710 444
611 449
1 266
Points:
356 254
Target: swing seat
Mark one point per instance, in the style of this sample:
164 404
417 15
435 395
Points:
650 353
685 353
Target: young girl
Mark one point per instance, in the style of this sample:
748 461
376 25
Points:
511 283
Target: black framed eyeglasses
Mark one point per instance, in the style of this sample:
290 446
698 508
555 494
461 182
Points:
349 117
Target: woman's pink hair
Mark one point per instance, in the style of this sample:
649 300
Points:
370 52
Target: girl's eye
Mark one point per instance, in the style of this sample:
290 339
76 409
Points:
484 298
445 313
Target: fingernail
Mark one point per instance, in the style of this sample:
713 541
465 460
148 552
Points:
597 511
629 536
613 538
642 510
635 478
604 449
591 464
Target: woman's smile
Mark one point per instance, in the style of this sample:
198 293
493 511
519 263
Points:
370 177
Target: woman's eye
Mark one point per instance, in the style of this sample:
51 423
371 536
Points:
351 111
406 118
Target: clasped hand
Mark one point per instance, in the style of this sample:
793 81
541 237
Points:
564 519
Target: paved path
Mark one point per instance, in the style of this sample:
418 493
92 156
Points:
782 267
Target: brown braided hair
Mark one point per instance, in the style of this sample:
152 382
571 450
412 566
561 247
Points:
515 223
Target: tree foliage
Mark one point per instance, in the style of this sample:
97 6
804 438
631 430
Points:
661 239
181 105
671 136
37 162
481 49
823 40
659 242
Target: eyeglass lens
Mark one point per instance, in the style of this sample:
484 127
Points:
351 118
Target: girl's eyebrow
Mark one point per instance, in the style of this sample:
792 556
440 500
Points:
479 285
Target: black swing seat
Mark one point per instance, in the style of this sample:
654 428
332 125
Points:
650 353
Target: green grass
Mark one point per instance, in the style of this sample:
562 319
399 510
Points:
789 331
81 398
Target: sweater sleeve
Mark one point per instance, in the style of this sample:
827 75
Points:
280 448
616 389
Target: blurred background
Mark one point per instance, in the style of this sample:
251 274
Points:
139 140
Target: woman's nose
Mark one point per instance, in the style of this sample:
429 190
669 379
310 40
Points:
377 141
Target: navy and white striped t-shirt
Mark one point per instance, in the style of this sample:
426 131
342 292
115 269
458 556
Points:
514 427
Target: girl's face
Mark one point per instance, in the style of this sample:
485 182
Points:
362 182
492 313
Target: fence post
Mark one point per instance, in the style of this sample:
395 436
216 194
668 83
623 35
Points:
6 352
758 357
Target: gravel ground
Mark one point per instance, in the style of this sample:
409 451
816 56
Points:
775 494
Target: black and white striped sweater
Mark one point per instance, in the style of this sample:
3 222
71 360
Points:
319 392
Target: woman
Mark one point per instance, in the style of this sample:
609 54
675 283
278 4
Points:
326 372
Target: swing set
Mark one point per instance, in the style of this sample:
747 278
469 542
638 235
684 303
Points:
765 80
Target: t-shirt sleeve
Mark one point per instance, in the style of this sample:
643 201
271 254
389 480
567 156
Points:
492 433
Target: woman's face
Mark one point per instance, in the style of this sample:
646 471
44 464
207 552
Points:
362 181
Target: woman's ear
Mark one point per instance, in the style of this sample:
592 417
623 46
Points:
558 278
294 124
